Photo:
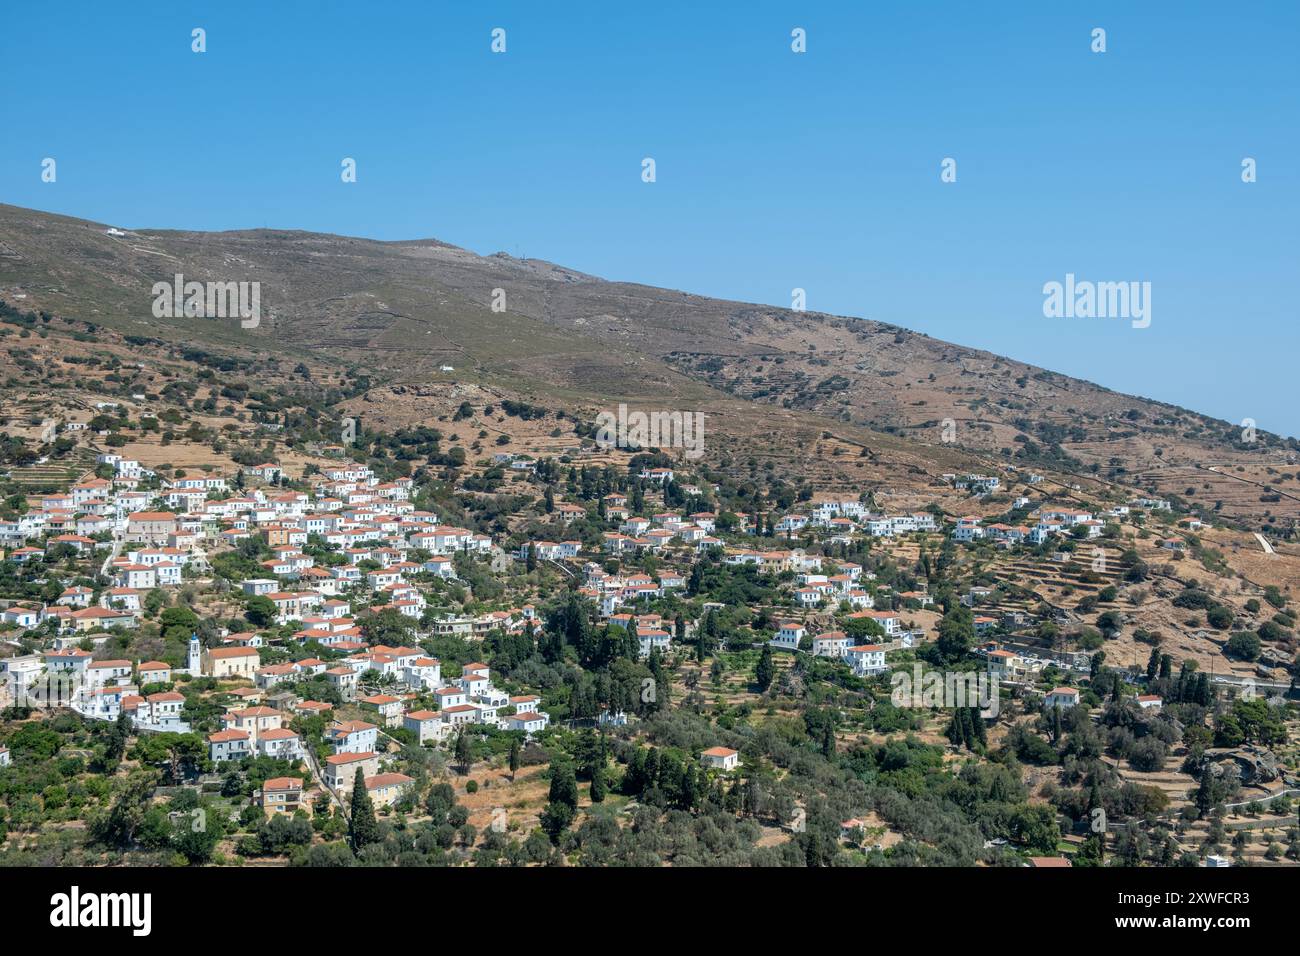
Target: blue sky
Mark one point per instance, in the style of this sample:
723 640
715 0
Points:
774 170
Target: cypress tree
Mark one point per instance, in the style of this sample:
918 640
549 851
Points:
1204 693
515 758
963 723
953 733
766 669
661 684
463 753
651 768
363 829
564 785
634 778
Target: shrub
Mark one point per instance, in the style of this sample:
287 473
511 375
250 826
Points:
1244 645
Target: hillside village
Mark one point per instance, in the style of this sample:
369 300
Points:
378 650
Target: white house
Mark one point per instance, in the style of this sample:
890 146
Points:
229 745
788 636
721 758
352 736
866 659
281 743
340 770
1003 665
530 722
1061 697
888 620
830 644
427 725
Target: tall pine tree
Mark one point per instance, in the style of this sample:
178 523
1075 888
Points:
363 828
765 672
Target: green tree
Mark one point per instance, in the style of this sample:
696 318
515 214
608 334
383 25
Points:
197 833
662 684
765 671
556 818
464 753
1244 645
118 736
1035 827
363 828
260 610
389 627
564 785
956 633
516 757
117 826
1153 664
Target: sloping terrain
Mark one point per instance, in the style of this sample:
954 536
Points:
772 380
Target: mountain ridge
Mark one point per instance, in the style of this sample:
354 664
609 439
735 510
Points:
410 307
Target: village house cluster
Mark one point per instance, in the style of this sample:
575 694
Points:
374 525
142 533
122 528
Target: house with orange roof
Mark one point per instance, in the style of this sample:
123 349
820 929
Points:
231 662
388 707
386 788
279 795
340 770
255 721
281 743
1061 697
721 758
1004 665
830 644
788 635
352 736
88 619
427 725
154 672
151 526
866 659
229 745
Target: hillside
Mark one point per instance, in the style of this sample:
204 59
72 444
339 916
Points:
466 473
770 380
